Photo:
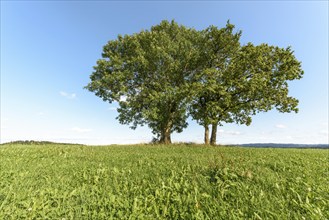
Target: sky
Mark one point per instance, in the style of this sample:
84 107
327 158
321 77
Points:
49 48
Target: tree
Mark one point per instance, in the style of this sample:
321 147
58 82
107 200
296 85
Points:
240 82
148 75
218 46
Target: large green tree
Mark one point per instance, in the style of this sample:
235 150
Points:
242 81
217 49
148 75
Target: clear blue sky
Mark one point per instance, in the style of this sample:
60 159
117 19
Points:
48 49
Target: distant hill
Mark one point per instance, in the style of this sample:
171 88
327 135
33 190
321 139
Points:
276 145
257 145
31 142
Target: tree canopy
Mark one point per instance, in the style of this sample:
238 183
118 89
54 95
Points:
151 70
254 79
162 76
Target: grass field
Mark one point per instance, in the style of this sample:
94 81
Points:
54 181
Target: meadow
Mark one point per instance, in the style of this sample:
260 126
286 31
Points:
181 181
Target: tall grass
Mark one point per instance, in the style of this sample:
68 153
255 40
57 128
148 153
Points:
162 182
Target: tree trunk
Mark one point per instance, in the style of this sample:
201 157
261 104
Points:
206 134
213 134
165 136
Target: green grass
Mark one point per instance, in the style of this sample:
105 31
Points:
162 182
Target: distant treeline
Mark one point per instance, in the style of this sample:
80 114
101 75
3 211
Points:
257 145
31 142
275 145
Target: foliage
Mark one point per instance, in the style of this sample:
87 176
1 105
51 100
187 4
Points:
162 75
210 84
147 74
162 182
240 81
